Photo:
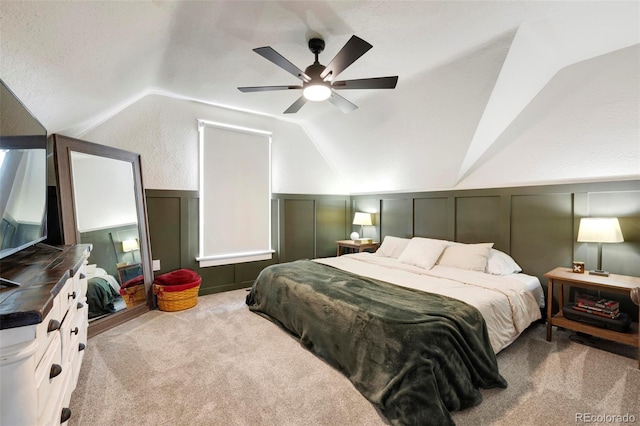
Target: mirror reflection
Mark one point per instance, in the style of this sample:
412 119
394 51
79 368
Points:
106 217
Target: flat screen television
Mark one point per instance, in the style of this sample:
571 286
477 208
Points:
23 176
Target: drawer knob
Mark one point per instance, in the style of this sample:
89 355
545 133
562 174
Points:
55 371
53 325
75 331
72 295
65 415
81 347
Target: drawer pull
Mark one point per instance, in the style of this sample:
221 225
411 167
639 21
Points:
75 331
55 371
72 295
81 347
53 325
83 275
79 305
65 415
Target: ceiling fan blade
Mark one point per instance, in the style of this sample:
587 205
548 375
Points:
367 83
351 51
342 104
270 54
266 88
295 107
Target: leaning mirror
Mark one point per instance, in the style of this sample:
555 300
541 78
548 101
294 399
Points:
101 203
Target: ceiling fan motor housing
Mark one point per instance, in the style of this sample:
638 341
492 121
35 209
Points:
316 45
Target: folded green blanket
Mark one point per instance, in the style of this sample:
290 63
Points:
415 355
100 297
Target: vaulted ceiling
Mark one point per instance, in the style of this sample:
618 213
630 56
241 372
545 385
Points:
467 70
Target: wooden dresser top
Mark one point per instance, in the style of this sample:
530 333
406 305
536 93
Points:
41 272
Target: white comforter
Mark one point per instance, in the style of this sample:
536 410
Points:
507 305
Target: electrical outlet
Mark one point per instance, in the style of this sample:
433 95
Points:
156 265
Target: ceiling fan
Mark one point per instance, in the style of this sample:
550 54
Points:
318 81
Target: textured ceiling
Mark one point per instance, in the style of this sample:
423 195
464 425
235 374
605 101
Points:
75 64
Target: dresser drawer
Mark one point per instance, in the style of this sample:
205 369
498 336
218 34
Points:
47 329
70 294
69 332
77 352
50 375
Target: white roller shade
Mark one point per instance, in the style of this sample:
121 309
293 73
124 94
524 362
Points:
235 194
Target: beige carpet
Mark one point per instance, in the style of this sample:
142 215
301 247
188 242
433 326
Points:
220 364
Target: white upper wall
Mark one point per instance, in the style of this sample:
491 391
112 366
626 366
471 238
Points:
490 93
164 131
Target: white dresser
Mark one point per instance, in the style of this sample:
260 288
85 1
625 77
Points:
43 333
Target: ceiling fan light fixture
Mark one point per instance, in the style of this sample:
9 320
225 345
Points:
317 92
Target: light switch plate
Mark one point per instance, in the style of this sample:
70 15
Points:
156 265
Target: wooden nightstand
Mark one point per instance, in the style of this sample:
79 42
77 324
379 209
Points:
612 284
356 247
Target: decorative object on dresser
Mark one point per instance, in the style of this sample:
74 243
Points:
43 333
613 329
599 230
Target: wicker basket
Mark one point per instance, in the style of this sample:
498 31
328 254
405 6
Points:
133 295
177 290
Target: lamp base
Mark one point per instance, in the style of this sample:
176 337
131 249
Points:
599 272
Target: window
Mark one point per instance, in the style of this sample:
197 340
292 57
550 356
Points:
235 194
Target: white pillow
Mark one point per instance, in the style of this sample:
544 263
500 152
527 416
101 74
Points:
500 263
422 252
466 256
392 246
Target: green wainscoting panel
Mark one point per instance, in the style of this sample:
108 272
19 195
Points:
299 229
396 217
478 219
331 225
432 218
542 232
163 214
537 225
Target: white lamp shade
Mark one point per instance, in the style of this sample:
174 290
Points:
130 245
600 230
362 219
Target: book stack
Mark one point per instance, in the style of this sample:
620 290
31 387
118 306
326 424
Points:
597 306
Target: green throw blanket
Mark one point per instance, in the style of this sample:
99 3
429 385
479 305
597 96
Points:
416 356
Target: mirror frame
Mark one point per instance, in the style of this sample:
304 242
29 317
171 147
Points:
63 146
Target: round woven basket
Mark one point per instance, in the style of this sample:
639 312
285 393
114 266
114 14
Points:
176 300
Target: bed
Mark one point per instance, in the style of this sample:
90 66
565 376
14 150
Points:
415 326
103 297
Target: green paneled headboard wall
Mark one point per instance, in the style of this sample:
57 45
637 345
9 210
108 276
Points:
537 225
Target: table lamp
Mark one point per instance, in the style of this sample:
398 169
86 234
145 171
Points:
599 230
130 246
361 219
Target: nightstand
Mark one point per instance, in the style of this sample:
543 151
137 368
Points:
128 272
354 247
620 284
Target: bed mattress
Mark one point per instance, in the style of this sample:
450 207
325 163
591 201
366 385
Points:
508 304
